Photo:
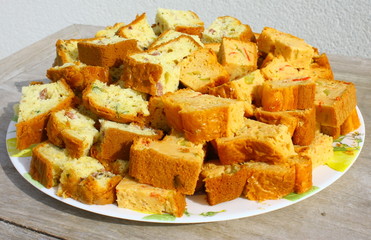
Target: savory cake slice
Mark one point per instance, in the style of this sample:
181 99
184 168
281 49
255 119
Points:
106 52
268 181
86 180
156 71
78 75
227 26
319 151
116 139
238 57
201 71
334 100
47 163
70 129
115 103
223 182
67 51
288 94
109 31
293 49
37 102
203 117
171 34
172 163
178 20
256 141
148 199
140 30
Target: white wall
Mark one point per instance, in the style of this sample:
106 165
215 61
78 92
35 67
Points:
336 27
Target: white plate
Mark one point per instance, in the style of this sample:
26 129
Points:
347 150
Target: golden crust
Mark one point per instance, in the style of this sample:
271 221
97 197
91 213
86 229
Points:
42 169
79 77
224 187
141 76
218 117
333 112
268 182
110 55
88 191
116 143
149 199
289 96
301 123
153 167
303 173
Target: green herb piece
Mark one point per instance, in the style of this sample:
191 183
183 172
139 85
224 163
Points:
326 92
249 79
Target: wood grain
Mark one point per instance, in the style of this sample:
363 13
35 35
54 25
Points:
341 211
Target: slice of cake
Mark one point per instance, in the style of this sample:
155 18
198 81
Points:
116 139
334 100
85 180
47 163
148 199
238 57
276 68
67 51
350 124
293 49
115 103
98 188
178 20
288 94
213 46
156 71
301 123
203 117
172 163
37 102
319 151
267 181
157 118
303 173
106 52
227 26
78 75
201 71
140 30
320 68
109 31
223 182
70 129
256 141
171 34
248 89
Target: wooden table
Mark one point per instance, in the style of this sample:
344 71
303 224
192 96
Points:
341 211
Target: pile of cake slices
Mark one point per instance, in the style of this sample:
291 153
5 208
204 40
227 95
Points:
142 115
